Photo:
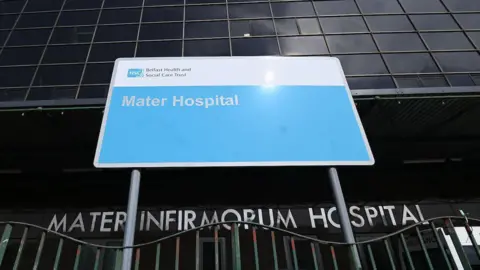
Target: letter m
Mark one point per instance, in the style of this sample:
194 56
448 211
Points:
54 223
128 101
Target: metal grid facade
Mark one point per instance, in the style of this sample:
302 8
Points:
65 49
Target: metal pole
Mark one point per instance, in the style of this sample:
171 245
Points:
131 217
343 216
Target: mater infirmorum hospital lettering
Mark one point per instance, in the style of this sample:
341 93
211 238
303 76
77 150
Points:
181 101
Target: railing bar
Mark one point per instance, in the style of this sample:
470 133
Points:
389 253
315 262
59 254
20 249
137 259
424 248
334 258
215 235
118 259
255 247
157 257
440 245
77 257
407 252
294 252
372 258
4 241
177 253
237 247
39 251
98 253
197 250
472 239
458 245
274 249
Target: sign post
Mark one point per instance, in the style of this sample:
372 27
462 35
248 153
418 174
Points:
232 111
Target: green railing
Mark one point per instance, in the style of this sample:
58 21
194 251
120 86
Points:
438 243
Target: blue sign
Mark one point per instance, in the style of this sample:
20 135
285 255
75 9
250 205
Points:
230 112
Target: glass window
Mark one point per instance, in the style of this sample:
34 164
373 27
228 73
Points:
16 76
433 80
97 91
98 73
43 5
7 21
50 75
458 61
78 17
249 11
82 4
389 23
161 31
254 46
377 82
129 15
37 19
379 6
116 32
410 63
3 36
65 54
204 1
123 3
206 29
29 37
159 48
336 7
351 43
475 37
205 12
110 52
21 56
399 42
246 28
287 27
293 9
77 34
163 14
13 94
355 64
423 6
312 45
52 93
162 2
343 25
434 22
447 41
11 6
455 5
408 81
468 21
219 47
460 80
308 26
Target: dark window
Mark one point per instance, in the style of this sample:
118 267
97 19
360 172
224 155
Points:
159 48
249 11
218 47
82 4
206 29
355 64
43 5
293 9
458 61
308 26
460 80
381 82
468 21
434 22
379 6
98 73
29 37
52 93
447 41
408 81
110 52
72 34
455 5
205 12
37 19
58 75
254 46
163 14
7 21
120 15
21 56
78 17
3 37
475 37
123 3
351 43
93 91
161 31
312 45
422 6
66 54
389 23
343 24
16 76
11 6
247 28
286 26
161 2
12 94
433 80
116 33
399 42
335 7
204 1
410 63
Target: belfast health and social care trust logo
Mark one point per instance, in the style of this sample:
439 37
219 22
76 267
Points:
135 73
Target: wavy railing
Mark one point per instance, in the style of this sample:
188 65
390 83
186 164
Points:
446 242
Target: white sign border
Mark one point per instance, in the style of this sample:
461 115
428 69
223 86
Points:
96 163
